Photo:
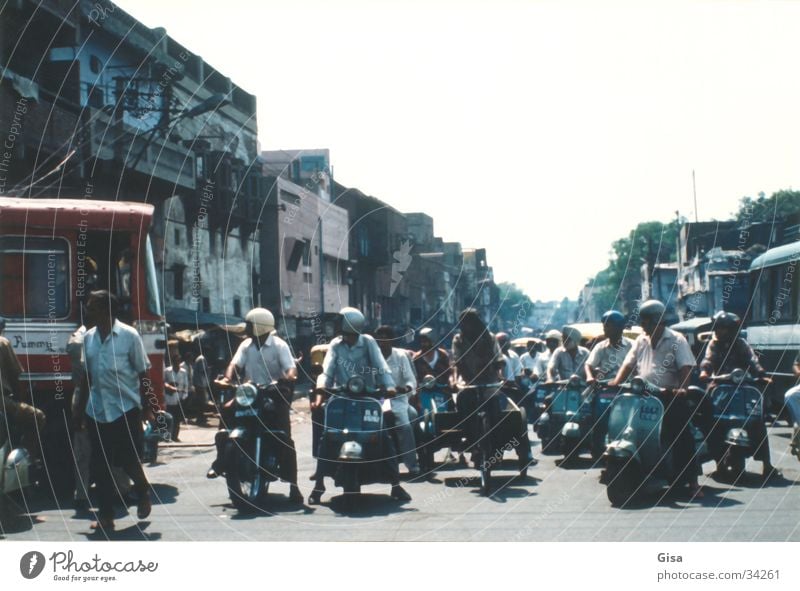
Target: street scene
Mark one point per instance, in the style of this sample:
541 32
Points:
219 321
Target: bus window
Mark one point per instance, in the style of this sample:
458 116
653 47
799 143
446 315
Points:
34 277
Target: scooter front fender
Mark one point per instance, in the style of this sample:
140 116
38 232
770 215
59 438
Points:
571 430
238 433
738 438
621 450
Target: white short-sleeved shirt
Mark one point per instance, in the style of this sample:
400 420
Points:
661 366
364 359
114 366
513 366
401 368
528 361
179 379
266 364
607 359
563 365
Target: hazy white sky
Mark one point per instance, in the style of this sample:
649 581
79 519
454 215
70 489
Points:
542 131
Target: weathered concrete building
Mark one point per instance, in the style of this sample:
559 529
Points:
110 109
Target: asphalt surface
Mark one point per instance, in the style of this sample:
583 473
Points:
552 504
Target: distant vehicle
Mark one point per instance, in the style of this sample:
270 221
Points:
772 323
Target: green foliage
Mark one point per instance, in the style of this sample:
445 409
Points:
768 209
651 243
513 302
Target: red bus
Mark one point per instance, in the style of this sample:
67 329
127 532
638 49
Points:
53 252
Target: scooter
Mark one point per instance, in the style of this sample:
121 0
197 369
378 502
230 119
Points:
432 400
564 419
256 445
737 404
353 438
18 470
636 461
587 421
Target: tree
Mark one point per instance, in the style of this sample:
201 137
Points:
768 209
515 307
651 243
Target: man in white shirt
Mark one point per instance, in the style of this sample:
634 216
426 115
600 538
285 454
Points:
265 359
552 341
568 360
608 355
663 357
512 368
119 398
176 388
406 383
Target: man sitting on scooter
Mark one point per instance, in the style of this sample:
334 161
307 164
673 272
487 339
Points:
263 359
569 359
355 354
728 351
608 355
664 358
477 360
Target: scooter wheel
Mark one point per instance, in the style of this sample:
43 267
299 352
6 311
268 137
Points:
622 482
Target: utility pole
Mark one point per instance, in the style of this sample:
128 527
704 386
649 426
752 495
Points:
694 190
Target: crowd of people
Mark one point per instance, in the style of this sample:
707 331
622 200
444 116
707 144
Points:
114 397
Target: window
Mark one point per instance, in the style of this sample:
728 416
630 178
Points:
206 304
237 307
177 237
307 253
34 277
177 282
307 278
95 65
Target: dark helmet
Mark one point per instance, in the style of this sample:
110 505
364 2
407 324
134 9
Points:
502 339
723 320
614 318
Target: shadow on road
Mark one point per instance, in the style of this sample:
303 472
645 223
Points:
367 505
133 533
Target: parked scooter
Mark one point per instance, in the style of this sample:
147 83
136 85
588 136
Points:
18 470
636 461
737 403
254 452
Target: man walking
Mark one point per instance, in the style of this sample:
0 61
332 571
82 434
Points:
119 398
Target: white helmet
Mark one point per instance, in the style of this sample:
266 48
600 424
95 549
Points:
262 320
353 321
652 309
553 334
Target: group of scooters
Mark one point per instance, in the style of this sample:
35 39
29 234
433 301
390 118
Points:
622 426
481 420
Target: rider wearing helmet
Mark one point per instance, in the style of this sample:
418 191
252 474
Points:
664 358
728 351
607 356
355 354
263 359
569 359
430 359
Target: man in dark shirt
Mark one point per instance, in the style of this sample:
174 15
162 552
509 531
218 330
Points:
728 351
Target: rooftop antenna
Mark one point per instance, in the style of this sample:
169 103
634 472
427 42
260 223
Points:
694 190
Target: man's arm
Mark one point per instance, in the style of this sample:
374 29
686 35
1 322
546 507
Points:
623 373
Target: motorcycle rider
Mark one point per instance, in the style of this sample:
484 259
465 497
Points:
728 351
430 359
512 369
406 383
355 354
608 355
664 358
528 359
263 359
552 341
792 402
569 359
477 359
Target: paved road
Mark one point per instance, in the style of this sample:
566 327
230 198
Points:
553 503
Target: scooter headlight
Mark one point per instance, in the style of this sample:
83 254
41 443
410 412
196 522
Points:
356 385
428 382
246 394
574 381
637 385
737 375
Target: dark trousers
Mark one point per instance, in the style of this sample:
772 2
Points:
676 434
176 413
118 443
